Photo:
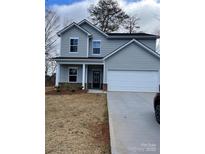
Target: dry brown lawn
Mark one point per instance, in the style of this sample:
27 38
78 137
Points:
77 124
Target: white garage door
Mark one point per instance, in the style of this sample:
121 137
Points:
138 81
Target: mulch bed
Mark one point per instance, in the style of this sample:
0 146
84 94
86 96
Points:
53 91
65 92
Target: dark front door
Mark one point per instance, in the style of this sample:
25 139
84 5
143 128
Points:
96 79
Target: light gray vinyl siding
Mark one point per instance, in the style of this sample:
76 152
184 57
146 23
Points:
82 43
107 45
151 43
64 73
132 57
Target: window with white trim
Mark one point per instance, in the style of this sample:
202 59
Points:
96 46
73 73
73 44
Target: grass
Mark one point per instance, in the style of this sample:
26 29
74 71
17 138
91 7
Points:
76 124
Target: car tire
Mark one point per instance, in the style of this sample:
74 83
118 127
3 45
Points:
157 113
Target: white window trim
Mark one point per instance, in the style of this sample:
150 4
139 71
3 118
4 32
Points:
92 47
69 74
70 45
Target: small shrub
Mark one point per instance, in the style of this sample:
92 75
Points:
72 87
67 87
58 89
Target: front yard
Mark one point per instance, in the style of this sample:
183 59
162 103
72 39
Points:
77 124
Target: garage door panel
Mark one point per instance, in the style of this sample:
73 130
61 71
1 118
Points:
139 81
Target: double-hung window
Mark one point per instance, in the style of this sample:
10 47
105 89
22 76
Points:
73 74
96 46
74 44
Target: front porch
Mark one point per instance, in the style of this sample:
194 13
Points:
89 75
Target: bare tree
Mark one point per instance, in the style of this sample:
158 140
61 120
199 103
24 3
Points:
131 24
107 15
51 27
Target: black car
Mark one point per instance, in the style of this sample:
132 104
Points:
157 107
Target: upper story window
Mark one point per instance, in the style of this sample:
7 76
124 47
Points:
74 44
96 46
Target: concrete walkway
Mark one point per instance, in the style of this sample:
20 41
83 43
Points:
133 129
96 91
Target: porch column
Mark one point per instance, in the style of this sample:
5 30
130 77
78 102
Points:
86 76
57 74
83 77
104 81
103 73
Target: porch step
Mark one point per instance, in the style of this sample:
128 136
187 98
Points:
96 91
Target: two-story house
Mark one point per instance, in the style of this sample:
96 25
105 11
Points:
108 61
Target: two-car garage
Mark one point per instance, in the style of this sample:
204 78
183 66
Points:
137 81
133 67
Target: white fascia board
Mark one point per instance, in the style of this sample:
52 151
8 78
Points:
80 63
133 40
93 26
82 60
148 49
117 49
70 26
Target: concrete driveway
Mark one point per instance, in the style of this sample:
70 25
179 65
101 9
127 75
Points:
133 128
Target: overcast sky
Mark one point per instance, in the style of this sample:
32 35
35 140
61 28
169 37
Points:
147 10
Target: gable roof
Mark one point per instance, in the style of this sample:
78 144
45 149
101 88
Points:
128 43
119 35
95 27
108 35
70 26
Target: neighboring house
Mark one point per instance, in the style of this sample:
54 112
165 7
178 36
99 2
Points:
108 61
